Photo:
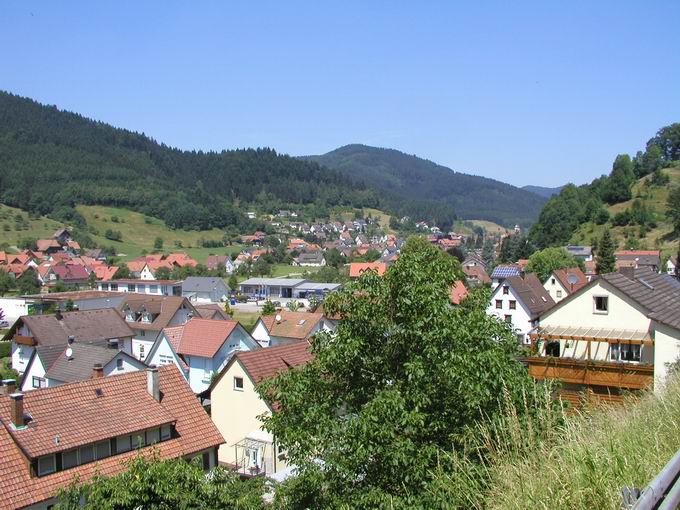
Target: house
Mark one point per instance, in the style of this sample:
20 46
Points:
62 236
147 316
288 327
313 259
90 326
650 259
212 311
503 271
200 348
214 262
52 436
356 269
671 265
237 407
69 274
205 289
615 333
563 282
519 301
585 253
318 290
105 273
266 288
49 246
150 287
476 275
53 365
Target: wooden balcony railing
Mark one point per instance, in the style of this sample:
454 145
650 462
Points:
592 373
23 340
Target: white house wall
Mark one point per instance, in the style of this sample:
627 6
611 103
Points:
521 319
35 369
666 351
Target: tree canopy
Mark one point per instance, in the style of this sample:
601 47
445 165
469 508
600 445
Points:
405 377
544 262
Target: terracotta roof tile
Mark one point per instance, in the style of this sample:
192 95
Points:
298 325
265 363
563 275
356 269
202 337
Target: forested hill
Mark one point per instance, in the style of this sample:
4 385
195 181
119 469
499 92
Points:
51 160
543 191
411 185
637 180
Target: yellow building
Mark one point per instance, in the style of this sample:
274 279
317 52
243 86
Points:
236 405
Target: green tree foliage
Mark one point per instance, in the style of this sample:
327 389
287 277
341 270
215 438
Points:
7 283
516 247
667 140
154 484
123 272
673 208
28 283
233 282
54 160
617 187
405 377
334 258
158 243
268 308
544 262
605 261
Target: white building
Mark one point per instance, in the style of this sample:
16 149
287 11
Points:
141 286
563 282
288 327
205 289
519 301
200 348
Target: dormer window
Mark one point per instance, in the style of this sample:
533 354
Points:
130 316
146 317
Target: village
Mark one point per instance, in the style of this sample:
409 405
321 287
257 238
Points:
150 361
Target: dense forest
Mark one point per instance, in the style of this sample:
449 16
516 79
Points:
51 160
574 205
419 188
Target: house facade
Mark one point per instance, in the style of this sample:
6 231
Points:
269 288
518 301
286 327
563 282
200 348
236 407
205 289
139 286
616 333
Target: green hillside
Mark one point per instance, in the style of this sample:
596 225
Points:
653 198
422 189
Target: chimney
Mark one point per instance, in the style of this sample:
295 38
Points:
152 382
17 409
9 386
97 371
58 315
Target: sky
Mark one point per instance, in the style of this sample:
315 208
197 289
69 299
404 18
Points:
537 93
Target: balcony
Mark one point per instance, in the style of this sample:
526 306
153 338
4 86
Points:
23 340
633 376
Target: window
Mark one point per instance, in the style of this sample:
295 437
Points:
625 352
114 287
506 290
508 319
39 382
130 317
122 444
601 304
238 383
141 288
552 281
131 287
499 304
153 289
103 449
86 454
141 351
69 459
513 304
105 286
153 436
552 348
559 293
119 364
206 461
166 432
137 440
46 465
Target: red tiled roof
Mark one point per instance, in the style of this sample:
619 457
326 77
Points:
265 363
77 414
45 244
298 325
105 273
174 336
477 272
202 337
563 276
637 252
356 269
458 292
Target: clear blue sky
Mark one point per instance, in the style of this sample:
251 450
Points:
525 92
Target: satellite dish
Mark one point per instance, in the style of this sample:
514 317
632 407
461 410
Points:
278 317
572 278
69 353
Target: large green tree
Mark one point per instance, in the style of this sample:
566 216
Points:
605 261
7 283
544 262
153 484
673 208
405 377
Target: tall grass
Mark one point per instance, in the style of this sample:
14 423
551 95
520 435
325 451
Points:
558 460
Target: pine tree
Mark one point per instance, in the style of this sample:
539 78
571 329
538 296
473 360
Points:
605 261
